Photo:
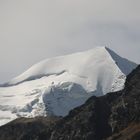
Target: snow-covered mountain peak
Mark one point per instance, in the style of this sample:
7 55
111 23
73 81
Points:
57 85
74 63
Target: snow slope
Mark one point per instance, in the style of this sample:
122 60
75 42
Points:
57 85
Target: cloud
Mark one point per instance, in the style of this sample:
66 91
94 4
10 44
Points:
32 30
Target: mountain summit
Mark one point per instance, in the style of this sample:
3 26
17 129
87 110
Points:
82 65
57 85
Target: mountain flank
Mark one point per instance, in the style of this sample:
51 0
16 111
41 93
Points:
114 116
57 85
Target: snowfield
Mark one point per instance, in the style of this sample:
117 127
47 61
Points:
57 85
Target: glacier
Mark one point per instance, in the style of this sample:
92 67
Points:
56 85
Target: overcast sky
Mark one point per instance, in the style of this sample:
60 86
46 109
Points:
32 30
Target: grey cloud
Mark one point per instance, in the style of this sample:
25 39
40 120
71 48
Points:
32 30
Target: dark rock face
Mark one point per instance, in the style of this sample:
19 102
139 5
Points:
28 129
115 116
126 108
86 122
